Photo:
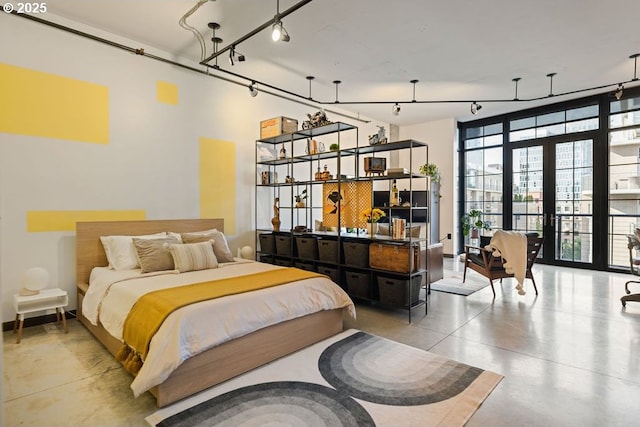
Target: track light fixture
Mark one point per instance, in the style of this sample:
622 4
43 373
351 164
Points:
475 107
232 56
619 91
278 32
395 110
253 89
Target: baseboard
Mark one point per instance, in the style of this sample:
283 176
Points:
38 320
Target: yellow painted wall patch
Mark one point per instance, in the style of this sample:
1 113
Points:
218 182
167 93
66 220
51 106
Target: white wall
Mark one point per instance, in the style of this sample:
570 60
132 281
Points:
441 138
150 163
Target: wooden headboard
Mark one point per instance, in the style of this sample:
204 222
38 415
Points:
89 250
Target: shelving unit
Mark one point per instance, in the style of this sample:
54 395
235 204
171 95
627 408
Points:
343 251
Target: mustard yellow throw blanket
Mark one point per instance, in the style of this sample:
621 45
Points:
148 313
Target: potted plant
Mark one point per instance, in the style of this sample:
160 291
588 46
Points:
334 147
300 198
431 170
472 223
371 217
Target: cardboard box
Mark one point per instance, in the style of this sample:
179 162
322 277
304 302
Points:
277 126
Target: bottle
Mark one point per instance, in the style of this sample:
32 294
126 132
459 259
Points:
283 152
395 198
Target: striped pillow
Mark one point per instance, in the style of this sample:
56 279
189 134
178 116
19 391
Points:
193 256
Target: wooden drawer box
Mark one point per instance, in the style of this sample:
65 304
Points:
398 258
277 126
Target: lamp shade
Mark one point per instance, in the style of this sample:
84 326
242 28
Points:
246 252
34 280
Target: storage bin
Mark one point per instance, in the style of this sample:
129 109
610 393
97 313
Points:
305 266
267 243
358 283
307 247
283 244
396 290
277 126
329 251
356 253
329 271
399 258
266 259
283 262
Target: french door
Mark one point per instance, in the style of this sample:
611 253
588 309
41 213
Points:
553 195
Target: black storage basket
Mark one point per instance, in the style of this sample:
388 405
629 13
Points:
305 266
358 283
329 271
283 244
329 251
307 247
267 243
395 290
356 253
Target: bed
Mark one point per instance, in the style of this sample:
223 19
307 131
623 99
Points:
222 361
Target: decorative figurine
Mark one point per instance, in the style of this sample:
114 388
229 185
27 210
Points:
275 221
378 138
318 119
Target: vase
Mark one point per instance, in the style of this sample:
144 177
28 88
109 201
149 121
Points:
372 228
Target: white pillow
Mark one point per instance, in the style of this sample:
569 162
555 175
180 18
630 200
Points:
192 256
120 251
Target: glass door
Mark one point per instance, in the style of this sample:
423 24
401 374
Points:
571 221
553 196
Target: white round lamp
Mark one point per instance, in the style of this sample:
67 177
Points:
34 280
246 252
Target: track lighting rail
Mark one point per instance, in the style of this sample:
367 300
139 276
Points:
250 34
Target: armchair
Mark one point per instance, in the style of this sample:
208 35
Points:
483 261
634 264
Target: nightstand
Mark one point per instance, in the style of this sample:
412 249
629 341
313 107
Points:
47 299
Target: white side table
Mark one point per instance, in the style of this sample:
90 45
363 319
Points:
47 299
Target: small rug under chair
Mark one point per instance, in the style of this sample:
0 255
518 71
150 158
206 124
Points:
452 283
350 379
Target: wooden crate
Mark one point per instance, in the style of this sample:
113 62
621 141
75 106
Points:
401 258
277 126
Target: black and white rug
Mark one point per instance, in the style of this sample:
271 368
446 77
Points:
351 379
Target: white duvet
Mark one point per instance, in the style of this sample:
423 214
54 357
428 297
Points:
198 327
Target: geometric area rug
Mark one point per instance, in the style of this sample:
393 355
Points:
452 283
351 379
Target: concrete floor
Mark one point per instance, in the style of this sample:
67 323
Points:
570 357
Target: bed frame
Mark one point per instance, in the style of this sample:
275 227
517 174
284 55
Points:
219 363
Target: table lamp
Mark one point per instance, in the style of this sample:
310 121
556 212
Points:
34 280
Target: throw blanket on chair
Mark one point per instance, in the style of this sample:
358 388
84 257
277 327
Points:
148 313
512 246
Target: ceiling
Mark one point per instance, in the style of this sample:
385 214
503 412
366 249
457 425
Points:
458 50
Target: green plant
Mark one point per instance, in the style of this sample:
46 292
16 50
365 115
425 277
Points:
334 147
473 221
431 170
